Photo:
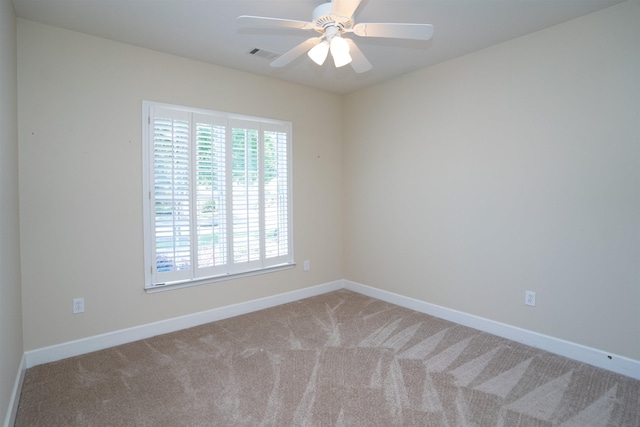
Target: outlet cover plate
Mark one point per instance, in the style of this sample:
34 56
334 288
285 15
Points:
78 305
530 298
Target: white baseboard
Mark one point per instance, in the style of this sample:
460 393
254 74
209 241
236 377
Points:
12 409
591 356
111 339
601 359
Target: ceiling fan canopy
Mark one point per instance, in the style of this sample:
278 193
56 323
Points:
332 20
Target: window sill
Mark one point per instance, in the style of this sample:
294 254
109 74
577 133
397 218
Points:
213 279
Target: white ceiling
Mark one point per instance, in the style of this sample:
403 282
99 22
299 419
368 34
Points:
206 30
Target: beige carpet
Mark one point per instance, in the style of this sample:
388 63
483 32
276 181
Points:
339 359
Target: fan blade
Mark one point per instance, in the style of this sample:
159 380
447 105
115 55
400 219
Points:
396 31
359 62
289 56
344 8
265 22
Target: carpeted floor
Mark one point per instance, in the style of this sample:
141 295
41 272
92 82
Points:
339 359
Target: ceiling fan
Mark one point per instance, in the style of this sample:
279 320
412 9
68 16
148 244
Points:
333 20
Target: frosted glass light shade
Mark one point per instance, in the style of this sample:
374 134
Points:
340 51
319 52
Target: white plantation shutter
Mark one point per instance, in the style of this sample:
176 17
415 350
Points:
211 195
170 198
246 206
217 195
276 194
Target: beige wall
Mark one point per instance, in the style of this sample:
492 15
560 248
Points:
513 168
80 180
462 184
10 301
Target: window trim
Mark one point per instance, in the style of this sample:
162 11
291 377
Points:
148 209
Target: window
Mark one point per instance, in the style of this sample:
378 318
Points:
217 195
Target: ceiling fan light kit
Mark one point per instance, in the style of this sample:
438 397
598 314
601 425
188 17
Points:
340 52
337 45
319 52
333 20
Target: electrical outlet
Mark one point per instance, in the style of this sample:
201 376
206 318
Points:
307 267
78 305
530 298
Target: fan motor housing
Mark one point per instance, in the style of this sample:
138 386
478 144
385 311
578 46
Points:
323 18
